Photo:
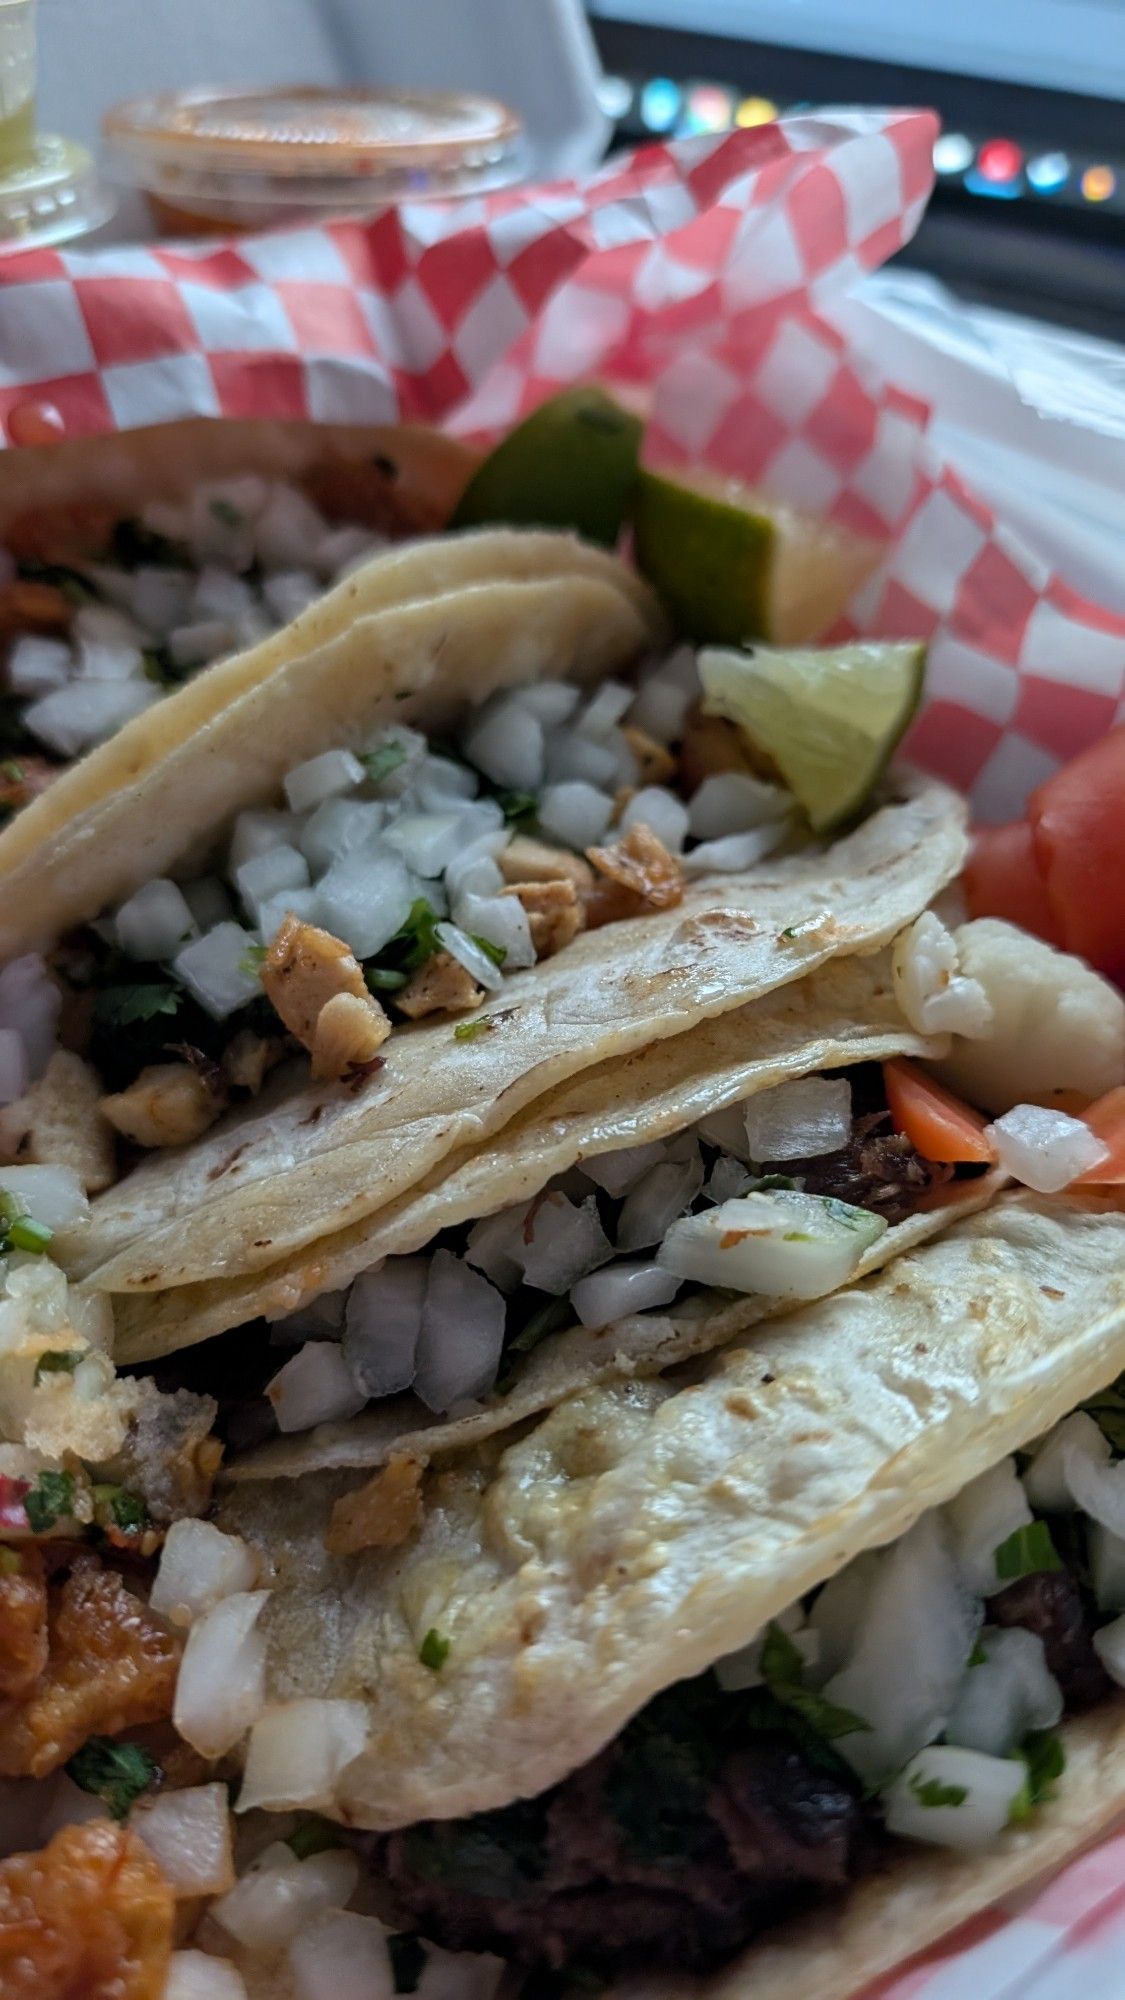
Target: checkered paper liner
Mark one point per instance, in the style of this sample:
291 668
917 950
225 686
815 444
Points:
700 274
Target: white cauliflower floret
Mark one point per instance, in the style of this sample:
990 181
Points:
1057 1025
931 987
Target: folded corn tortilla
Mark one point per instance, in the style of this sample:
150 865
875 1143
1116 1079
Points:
302 1165
644 1529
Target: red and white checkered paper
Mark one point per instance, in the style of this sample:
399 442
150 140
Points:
698 272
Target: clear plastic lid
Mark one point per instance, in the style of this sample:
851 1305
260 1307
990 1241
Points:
236 155
52 195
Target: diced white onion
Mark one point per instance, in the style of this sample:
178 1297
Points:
734 802
439 780
561 1242
325 777
1046 1150
1098 1487
838 1612
382 1323
411 750
496 1247
1045 1480
53 1196
255 832
991 1786
982 1517
934 995
460 1975
1107 1566
304 904
800 1120
783 1243
343 550
618 1172
86 712
1109 1645
736 851
665 695
189 1833
200 1565
297 1751
1004 1695
575 812
727 1130
30 1001
502 921
280 1896
195 1975
203 640
288 529
664 1193
366 896
38 666
289 592
662 812
729 1179
605 709
270 875
219 970
584 759
428 841
551 701
155 921
507 744
315 1387
341 1957
337 826
618 1289
911 1651
221 1684
462 1334
475 961
15 1071
159 597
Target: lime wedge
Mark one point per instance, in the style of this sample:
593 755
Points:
732 566
827 718
571 464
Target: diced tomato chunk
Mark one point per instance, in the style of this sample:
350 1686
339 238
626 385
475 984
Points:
937 1124
1002 879
1077 820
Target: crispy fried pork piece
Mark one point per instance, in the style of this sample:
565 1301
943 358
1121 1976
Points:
527 860
248 1059
306 975
555 913
640 873
23 1622
60 1120
28 606
381 1513
111 1665
441 986
169 1456
87 1918
170 1104
711 745
655 763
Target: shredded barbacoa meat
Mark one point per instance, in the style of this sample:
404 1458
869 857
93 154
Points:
877 1169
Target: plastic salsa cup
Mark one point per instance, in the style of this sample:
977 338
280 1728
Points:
226 160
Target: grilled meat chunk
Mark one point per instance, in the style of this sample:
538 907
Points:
877 1169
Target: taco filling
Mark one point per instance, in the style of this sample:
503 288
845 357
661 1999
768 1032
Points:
100 617
401 883
914 1698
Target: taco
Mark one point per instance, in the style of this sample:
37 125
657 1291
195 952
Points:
772 1669
132 562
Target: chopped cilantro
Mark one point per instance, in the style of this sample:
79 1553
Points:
381 980
783 1671
1045 1759
253 959
1027 1552
978 1657
134 545
226 514
28 1235
546 1319
11 1562
69 582
315 1835
500 1854
518 808
1108 1411
931 1791
408 1960
116 1773
121 1006
380 763
58 1361
51 1498
496 952
434 1650
467 1031
790 931
115 1506
12 770
765 1182
408 950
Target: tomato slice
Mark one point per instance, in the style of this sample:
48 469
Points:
937 1124
1002 879
1078 828
1106 1119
